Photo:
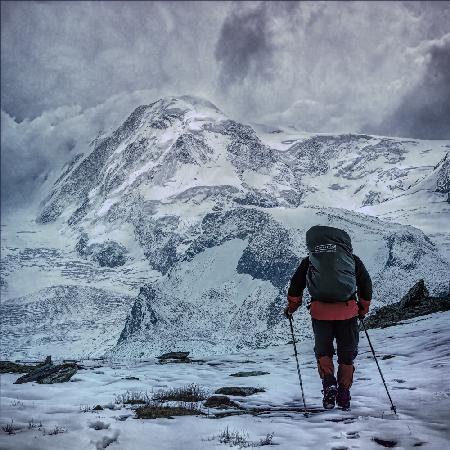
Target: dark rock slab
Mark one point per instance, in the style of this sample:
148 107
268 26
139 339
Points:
241 391
97 408
254 373
49 374
220 402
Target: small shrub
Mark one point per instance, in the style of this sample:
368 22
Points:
240 439
85 408
9 428
132 398
17 404
189 393
233 438
56 430
32 425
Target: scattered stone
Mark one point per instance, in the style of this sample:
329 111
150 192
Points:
239 391
254 373
220 402
384 357
384 442
175 357
97 408
99 425
49 374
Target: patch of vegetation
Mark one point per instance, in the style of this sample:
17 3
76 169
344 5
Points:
85 408
9 428
56 430
32 425
155 410
189 393
241 439
133 398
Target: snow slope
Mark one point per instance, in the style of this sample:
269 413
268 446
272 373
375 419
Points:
211 214
415 373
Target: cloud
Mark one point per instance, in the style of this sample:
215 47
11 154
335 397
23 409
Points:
34 151
424 111
245 43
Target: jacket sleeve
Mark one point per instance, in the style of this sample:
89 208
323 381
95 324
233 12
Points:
298 280
364 287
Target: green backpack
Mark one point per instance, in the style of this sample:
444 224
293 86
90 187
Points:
331 273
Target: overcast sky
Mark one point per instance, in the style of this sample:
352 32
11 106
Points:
72 68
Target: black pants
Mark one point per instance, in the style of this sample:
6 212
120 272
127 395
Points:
346 334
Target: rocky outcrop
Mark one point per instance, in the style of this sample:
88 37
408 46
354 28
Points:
49 374
416 302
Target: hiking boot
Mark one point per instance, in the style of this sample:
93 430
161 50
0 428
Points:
329 394
343 397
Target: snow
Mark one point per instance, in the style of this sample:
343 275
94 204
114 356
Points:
414 376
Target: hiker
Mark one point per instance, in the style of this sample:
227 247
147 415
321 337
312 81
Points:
341 290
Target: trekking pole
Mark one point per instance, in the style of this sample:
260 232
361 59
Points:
298 366
379 369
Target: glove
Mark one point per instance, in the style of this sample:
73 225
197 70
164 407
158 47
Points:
287 313
363 308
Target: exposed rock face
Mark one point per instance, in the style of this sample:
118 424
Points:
415 303
417 294
106 254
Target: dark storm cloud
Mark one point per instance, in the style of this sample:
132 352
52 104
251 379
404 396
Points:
245 43
424 111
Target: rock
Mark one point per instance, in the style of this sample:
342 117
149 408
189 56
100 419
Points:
130 378
240 391
220 402
97 408
174 357
49 374
414 304
254 373
415 295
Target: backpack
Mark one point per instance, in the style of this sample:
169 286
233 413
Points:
331 275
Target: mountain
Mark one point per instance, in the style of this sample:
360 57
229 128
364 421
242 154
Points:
203 218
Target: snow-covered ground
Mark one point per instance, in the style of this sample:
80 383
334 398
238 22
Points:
416 371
